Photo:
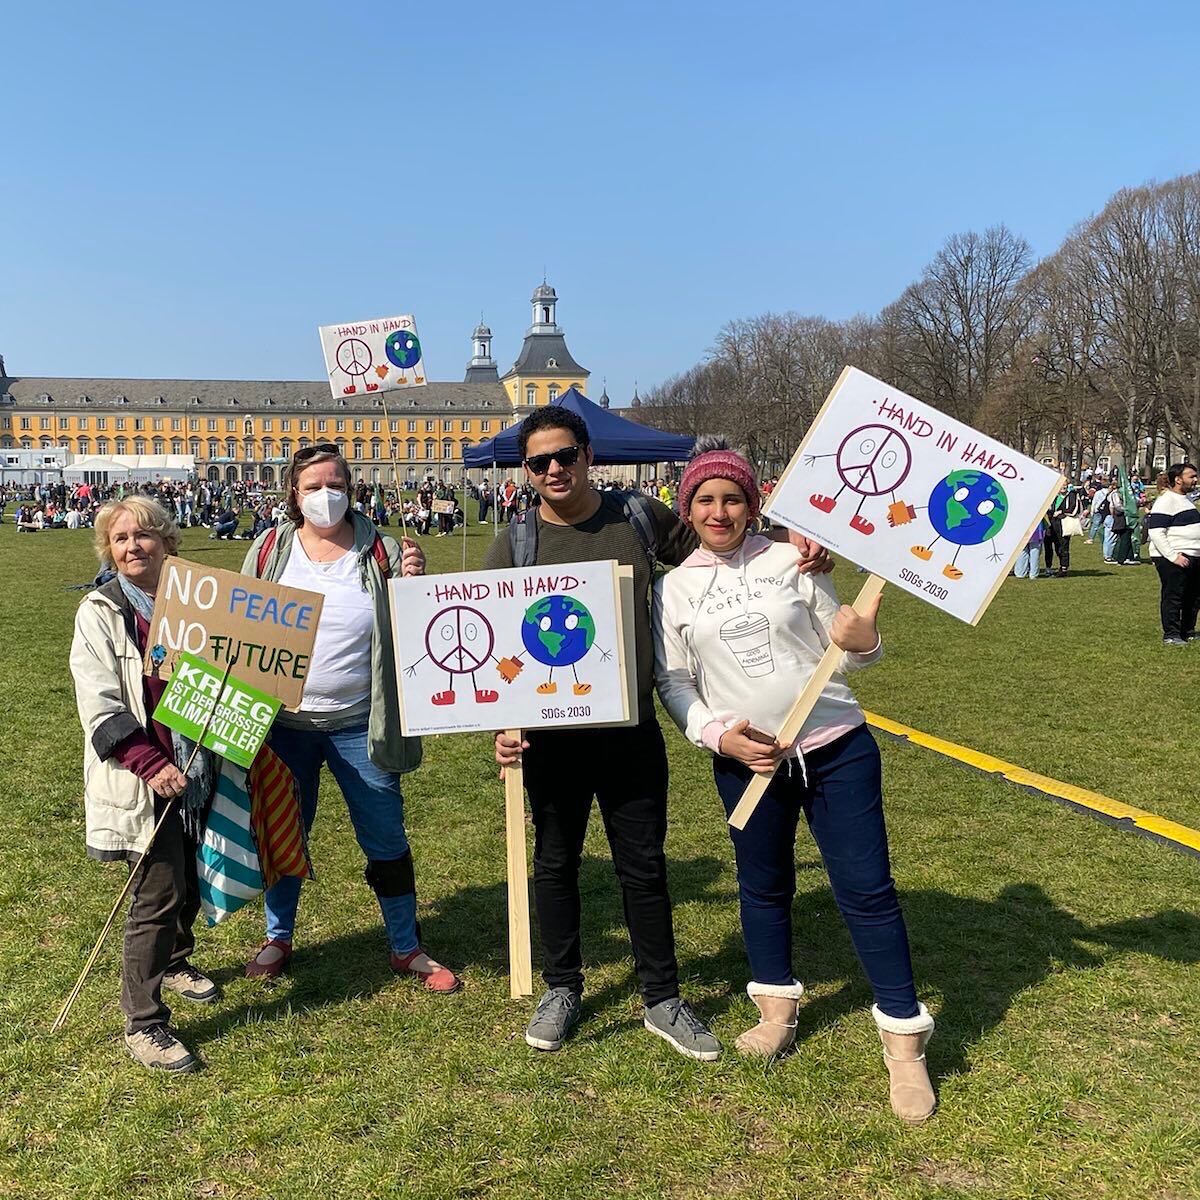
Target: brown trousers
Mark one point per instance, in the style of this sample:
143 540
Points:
158 929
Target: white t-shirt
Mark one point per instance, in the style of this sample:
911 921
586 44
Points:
339 676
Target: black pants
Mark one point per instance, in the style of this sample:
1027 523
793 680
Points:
158 929
626 771
1058 543
1051 543
1180 599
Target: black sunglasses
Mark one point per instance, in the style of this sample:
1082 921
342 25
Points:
307 452
568 456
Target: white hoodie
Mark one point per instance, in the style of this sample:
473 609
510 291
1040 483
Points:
738 636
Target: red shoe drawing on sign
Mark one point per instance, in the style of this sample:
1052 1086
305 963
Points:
372 387
484 696
446 697
824 503
349 391
861 524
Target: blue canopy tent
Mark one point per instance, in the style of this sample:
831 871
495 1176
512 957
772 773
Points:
615 440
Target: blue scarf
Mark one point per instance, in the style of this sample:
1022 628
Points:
200 770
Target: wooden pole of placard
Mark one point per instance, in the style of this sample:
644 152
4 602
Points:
804 705
520 951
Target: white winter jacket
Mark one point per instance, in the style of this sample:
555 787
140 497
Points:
106 667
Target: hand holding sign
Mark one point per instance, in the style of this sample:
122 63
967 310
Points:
857 632
412 559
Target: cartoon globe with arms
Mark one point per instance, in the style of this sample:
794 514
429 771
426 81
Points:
557 632
966 508
403 349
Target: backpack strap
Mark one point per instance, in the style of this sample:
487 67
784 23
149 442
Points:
264 551
380 554
523 539
637 511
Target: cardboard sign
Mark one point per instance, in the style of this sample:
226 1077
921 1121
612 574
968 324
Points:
914 496
372 356
443 506
267 629
243 715
525 648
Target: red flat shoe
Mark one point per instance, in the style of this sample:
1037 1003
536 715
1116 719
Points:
433 975
272 967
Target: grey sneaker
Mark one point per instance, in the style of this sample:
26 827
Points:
159 1049
1174 641
674 1022
558 1012
191 984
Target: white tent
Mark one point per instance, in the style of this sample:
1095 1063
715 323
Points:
129 468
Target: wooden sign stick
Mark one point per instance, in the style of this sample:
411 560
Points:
795 719
60 1020
520 953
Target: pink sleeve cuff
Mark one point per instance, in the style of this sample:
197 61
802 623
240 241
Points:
711 735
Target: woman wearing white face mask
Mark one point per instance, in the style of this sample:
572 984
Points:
349 717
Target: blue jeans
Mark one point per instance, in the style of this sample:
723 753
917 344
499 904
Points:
843 804
376 811
1110 539
1029 561
1094 527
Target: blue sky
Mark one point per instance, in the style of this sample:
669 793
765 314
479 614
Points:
189 190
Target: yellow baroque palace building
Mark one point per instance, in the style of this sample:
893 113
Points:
249 429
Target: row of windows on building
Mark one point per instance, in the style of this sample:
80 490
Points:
411 449
264 425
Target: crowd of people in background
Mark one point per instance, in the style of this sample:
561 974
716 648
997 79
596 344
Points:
1094 507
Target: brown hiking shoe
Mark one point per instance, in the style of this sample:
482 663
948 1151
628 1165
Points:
159 1049
191 984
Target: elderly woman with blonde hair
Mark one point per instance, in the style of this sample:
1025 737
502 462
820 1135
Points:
134 771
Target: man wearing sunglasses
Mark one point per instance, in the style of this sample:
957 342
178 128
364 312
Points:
625 769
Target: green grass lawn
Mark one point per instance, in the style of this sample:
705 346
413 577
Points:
1058 954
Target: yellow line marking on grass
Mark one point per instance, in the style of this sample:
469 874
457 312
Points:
1147 824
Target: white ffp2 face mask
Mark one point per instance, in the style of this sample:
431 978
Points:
324 507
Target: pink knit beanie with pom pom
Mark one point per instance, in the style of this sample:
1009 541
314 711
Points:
713 459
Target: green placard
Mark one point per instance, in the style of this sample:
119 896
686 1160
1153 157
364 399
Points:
243 717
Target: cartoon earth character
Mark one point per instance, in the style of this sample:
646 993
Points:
557 632
967 508
873 460
459 640
403 349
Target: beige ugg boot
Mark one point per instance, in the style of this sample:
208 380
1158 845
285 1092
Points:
776 1029
904 1040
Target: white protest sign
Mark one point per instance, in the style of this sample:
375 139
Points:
914 496
379 355
525 648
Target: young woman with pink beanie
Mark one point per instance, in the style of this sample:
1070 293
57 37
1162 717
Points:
738 631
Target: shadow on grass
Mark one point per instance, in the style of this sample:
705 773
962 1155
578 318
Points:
977 954
467 930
